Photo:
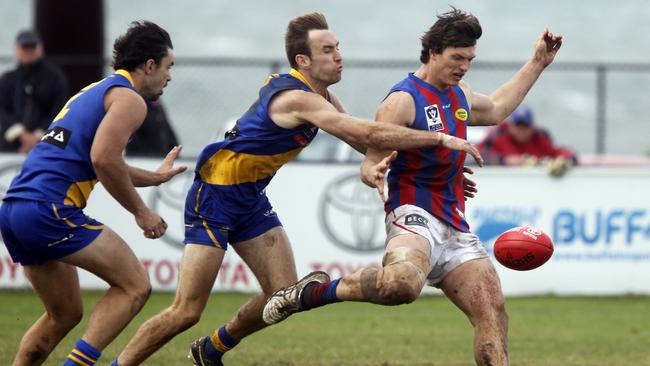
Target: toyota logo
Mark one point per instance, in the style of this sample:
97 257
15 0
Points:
351 215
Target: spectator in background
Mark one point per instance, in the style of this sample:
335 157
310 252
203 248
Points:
30 95
518 141
155 138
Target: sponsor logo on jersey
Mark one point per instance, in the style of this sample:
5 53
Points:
58 136
415 219
461 114
434 121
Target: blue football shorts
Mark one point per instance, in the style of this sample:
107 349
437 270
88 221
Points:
36 231
217 216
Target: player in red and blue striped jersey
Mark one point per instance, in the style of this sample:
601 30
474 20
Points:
431 178
428 239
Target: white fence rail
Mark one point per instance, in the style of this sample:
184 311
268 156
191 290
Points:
599 219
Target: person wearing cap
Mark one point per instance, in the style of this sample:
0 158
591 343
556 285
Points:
519 141
30 95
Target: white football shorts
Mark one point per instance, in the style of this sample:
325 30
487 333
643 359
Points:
449 247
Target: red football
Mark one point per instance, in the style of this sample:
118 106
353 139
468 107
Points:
523 248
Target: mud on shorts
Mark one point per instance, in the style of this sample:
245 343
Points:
36 231
216 221
449 247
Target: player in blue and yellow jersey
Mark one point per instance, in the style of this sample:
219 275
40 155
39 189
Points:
227 203
42 220
428 238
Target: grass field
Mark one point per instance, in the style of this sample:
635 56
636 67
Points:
543 331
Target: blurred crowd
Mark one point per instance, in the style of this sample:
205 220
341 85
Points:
35 91
519 141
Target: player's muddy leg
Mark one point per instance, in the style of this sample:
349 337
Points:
399 281
475 288
270 258
57 285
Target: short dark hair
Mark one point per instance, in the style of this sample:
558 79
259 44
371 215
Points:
454 28
143 40
297 36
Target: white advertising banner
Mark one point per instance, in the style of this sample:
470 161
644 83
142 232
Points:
598 218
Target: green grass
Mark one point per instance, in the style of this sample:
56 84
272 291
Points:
543 331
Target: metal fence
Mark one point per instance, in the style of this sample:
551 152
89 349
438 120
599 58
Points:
595 108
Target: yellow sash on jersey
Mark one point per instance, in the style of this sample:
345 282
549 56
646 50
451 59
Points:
227 167
79 192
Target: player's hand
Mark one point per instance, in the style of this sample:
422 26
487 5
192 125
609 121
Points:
152 225
375 175
546 47
167 171
454 143
469 186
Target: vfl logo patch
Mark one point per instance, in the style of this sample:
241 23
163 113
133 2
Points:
461 114
434 121
58 136
415 219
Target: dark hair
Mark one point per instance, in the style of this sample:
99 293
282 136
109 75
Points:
454 28
295 40
143 40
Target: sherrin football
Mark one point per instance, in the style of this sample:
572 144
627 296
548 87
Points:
523 248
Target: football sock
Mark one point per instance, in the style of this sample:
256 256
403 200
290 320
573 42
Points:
219 343
318 294
82 354
115 363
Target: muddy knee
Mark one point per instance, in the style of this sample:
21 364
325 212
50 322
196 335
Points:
399 281
388 289
397 291
490 310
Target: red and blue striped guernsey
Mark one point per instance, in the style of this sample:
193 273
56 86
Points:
431 178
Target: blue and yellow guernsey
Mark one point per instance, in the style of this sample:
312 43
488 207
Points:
239 168
59 168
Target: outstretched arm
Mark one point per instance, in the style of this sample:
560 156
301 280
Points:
166 171
490 110
295 107
341 108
